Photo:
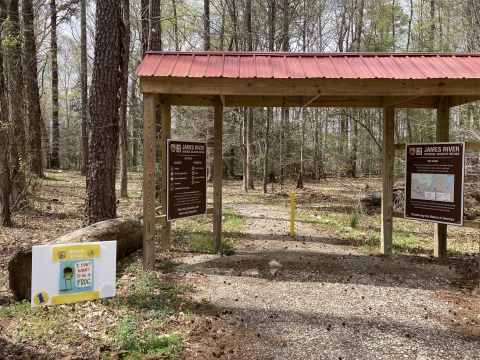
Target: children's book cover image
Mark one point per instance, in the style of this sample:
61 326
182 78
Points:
76 276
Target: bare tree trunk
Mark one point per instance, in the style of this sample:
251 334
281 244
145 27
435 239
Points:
233 15
83 81
16 109
150 14
343 29
266 145
243 142
54 157
286 25
302 145
5 186
354 148
155 34
222 28
209 111
136 123
100 201
409 31
231 169
269 119
152 41
248 16
409 126
358 26
123 99
431 35
175 25
145 19
285 111
34 114
315 147
206 25
282 150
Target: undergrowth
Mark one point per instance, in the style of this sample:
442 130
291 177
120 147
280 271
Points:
196 234
132 323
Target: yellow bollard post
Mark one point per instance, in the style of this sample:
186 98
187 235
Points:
292 214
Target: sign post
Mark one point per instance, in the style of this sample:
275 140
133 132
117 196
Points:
434 175
187 179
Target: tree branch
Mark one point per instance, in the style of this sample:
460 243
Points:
366 128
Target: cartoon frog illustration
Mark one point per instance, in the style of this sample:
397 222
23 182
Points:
68 274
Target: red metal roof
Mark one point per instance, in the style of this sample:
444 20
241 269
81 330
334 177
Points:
311 65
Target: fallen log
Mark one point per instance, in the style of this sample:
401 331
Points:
128 232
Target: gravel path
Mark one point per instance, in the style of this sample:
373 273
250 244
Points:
309 298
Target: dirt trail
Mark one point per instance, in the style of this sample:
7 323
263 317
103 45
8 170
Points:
308 297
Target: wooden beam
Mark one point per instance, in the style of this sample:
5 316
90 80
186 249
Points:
346 101
149 153
424 102
466 223
472 145
395 100
468 145
158 98
161 142
222 97
388 155
306 102
166 134
443 135
162 219
192 100
462 100
398 214
471 224
310 87
217 176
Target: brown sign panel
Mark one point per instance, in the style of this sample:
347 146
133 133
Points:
187 179
434 176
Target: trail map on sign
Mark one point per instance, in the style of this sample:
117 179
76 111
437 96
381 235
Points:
434 174
439 187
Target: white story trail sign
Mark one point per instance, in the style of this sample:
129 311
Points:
67 273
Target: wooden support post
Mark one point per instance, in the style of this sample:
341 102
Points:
149 109
166 134
388 153
217 176
443 131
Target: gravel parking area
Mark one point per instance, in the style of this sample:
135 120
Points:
309 297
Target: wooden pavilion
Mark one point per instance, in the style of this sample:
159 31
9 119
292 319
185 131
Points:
256 79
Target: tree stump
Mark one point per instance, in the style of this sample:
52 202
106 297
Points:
127 232
299 180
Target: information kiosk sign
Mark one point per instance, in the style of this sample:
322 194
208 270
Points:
434 176
187 179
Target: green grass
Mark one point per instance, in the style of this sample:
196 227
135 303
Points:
136 319
405 243
367 240
196 234
354 220
141 315
140 343
167 266
36 324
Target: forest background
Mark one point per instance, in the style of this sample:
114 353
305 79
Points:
69 98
